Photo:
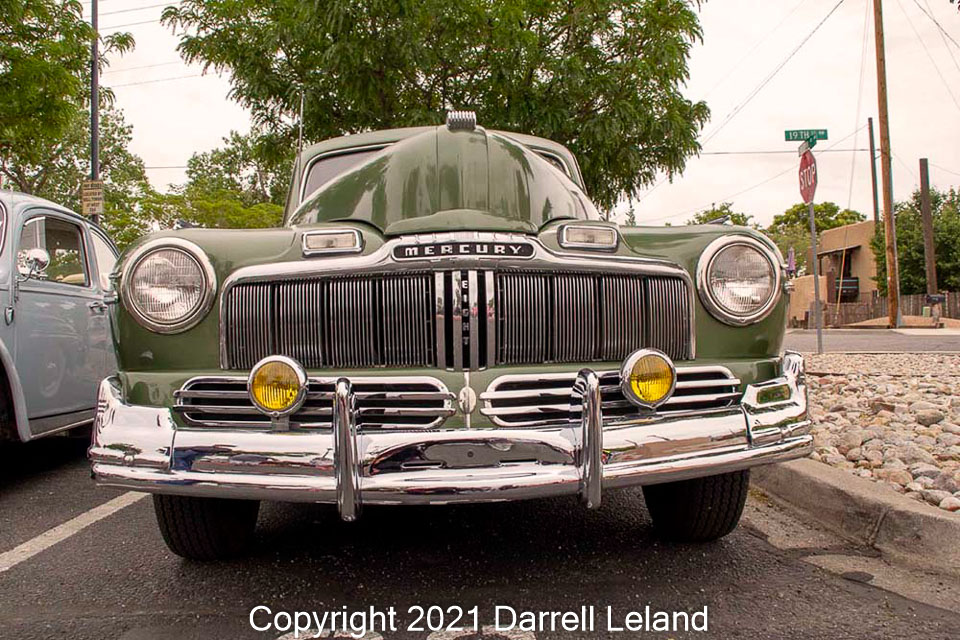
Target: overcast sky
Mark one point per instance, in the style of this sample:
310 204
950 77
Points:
744 42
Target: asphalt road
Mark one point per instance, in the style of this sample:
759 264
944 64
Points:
116 579
837 340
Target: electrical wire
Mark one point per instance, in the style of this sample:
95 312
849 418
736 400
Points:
750 96
753 48
149 6
945 43
144 66
755 186
863 56
907 167
923 44
131 84
936 22
956 173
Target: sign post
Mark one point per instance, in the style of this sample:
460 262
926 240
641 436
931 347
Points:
808 188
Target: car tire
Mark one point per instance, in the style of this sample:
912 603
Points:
698 510
206 528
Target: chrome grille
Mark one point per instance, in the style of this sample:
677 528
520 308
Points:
582 317
336 322
537 400
460 320
383 403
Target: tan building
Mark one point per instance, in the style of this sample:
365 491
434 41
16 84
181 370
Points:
845 250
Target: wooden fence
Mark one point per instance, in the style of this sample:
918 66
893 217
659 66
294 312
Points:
847 313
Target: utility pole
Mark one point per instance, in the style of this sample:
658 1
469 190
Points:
929 251
873 175
893 272
92 190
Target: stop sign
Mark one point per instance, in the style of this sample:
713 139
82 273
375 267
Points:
808 176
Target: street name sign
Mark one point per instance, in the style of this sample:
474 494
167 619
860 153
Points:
808 177
91 198
800 135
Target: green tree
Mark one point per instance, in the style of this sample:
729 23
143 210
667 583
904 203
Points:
945 206
56 170
253 168
724 210
44 66
603 77
791 229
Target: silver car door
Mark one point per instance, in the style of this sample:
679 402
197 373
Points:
58 320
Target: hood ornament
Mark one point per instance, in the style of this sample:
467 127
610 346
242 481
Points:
461 120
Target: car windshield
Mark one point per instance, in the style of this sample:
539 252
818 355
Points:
322 169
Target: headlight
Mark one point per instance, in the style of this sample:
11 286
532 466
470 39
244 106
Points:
168 285
739 279
648 378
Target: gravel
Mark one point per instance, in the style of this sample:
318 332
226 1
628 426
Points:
890 418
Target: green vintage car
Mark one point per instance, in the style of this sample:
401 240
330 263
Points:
445 318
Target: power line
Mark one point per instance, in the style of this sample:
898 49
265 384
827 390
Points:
923 44
946 44
131 84
130 24
936 22
932 164
149 6
907 167
145 66
755 46
770 76
755 186
773 151
863 56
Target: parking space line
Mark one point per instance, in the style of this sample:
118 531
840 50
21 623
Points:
47 539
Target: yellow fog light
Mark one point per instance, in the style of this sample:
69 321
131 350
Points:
648 378
277 385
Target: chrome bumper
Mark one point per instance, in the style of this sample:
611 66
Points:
140 448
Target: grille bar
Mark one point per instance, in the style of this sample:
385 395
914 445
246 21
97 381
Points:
539 400
383 403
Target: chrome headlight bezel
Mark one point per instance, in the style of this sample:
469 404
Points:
191 250
705 264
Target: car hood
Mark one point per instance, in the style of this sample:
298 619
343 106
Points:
445 179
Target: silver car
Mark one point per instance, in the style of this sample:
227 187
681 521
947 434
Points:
55 337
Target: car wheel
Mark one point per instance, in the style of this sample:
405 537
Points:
700 509
206 528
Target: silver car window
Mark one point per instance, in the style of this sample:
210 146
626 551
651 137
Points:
106 260
63 241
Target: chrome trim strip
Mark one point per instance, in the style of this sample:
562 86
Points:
703 273
346 460
441 320
491 308
203 306
457 299
474 307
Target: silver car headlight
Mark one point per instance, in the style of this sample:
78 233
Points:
739 279
168 285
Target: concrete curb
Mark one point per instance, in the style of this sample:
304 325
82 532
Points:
867 513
